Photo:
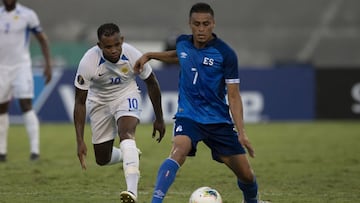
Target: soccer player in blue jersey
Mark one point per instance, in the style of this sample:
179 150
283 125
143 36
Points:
209 72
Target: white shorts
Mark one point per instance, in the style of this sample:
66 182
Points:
16 82
103 117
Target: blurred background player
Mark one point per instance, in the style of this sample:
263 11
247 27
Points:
16 79
209 71
105 84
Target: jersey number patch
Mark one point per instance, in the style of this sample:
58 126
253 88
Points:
133 103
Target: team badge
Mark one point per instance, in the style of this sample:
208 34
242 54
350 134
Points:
80 80
124 69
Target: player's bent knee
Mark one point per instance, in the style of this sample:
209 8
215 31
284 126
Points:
102 162
247 178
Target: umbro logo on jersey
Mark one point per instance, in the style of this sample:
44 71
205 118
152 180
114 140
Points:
179 129
101 74
183 55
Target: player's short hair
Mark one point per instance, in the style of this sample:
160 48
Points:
201 8
107 29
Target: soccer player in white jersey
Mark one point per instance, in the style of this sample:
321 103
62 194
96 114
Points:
106 87
16 79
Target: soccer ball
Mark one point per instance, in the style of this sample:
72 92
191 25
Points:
205 195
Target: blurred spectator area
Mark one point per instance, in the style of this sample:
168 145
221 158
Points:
262 32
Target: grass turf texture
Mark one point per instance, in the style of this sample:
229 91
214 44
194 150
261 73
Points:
295 162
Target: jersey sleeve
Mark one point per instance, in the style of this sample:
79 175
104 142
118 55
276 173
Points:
34 22
83 76
146 72
135 54
231 72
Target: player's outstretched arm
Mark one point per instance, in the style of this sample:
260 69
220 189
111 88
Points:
164 56
79 123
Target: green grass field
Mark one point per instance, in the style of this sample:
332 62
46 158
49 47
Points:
295 162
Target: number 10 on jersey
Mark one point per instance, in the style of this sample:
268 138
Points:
133 103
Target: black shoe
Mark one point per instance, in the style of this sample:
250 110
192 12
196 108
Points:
34 157
2 157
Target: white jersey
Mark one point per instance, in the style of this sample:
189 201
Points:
107 81
15 28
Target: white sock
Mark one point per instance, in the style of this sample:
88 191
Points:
32 127
4 126
130 164
116 156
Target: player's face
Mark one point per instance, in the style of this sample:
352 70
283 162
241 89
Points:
111 47
9 4
202 25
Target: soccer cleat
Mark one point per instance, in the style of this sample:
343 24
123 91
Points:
127 197
2 157
34 157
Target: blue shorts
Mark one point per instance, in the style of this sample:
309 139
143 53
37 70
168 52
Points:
221 138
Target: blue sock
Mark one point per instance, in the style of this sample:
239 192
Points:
250 191
166 176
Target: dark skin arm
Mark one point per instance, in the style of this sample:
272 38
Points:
79 122
236 109
153 88
43 41
165 56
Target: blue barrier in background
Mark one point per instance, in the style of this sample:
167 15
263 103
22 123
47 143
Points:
268 95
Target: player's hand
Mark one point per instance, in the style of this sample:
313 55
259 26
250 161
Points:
47 74
159 126
244 140
81 152
139 64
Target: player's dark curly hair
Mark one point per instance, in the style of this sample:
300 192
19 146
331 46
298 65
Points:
201 8
107 29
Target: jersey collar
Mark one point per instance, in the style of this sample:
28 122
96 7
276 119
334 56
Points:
210 43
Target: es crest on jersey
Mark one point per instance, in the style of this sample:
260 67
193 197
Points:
208 61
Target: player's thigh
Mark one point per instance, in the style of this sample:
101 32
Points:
102 122
126 110
181 148
128 104
23 84
6 78
186 135
222 140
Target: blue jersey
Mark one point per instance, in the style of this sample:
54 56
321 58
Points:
204 74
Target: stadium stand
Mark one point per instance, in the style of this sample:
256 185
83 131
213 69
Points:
321 32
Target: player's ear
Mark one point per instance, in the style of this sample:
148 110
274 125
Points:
99 45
